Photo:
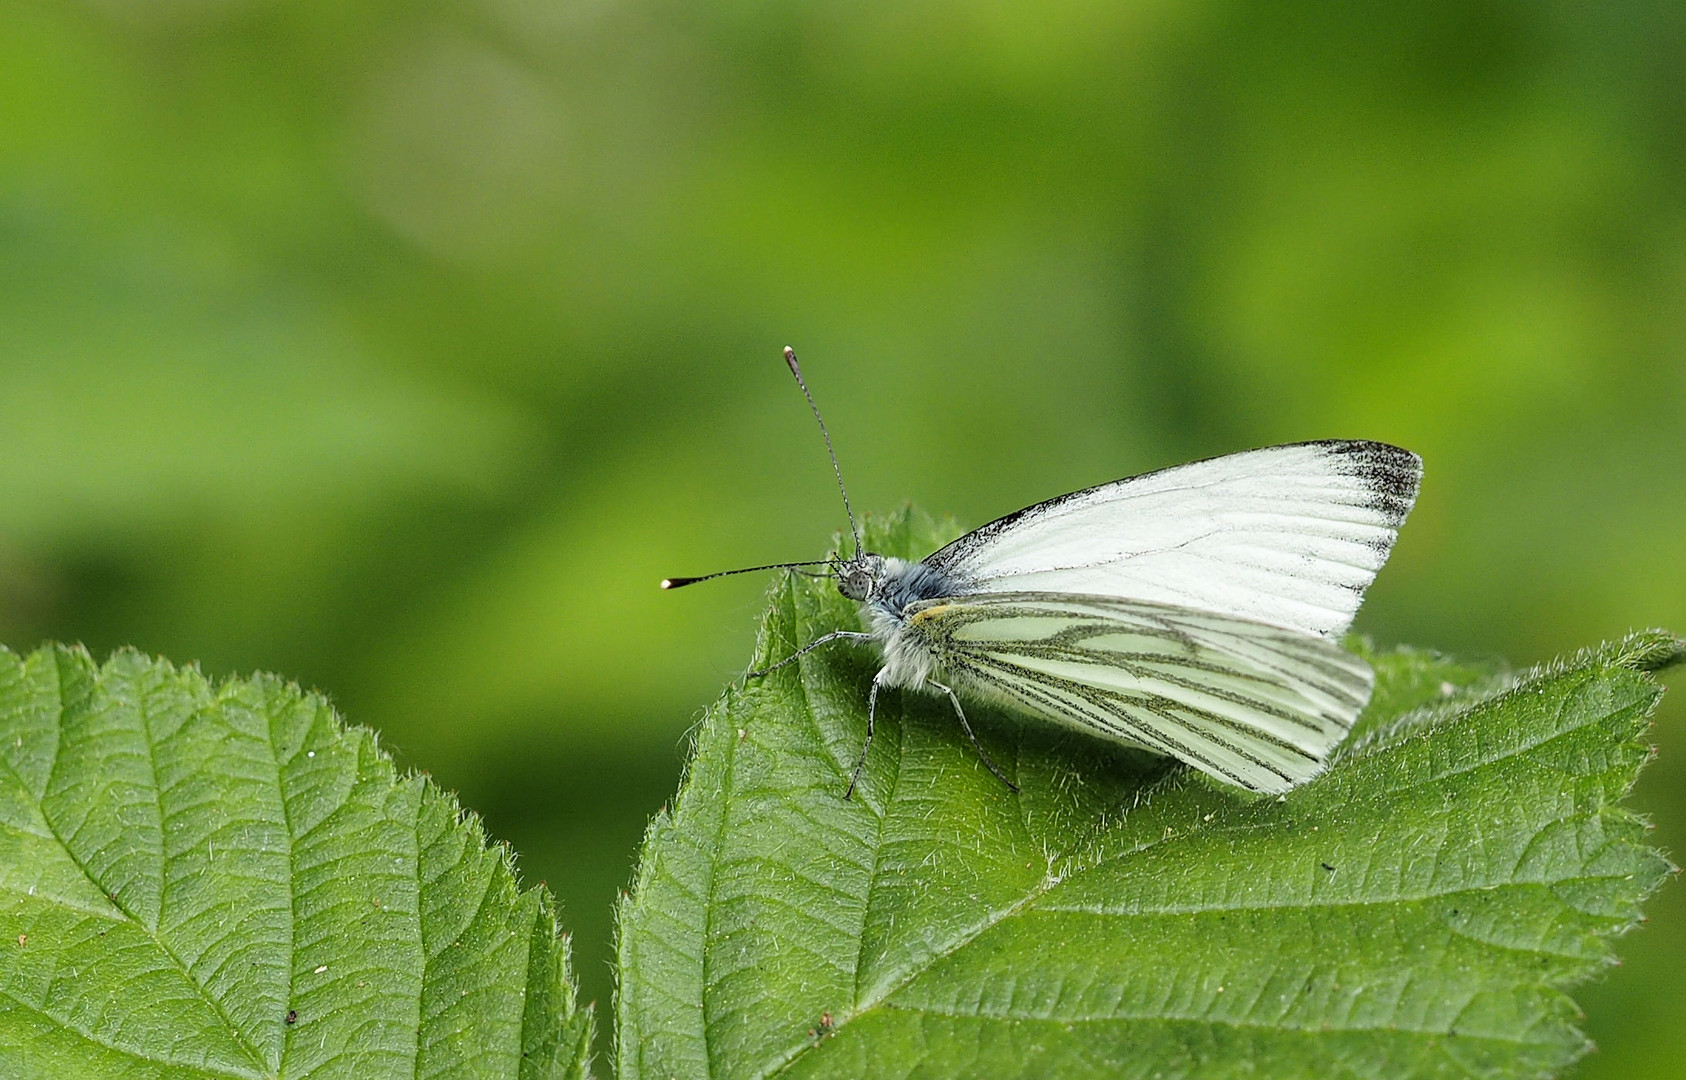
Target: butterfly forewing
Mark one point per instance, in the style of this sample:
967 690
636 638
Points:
1287 535
1251 704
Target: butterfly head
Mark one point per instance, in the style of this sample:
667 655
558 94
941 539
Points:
858 578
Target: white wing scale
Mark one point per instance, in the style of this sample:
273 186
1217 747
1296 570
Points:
1290 536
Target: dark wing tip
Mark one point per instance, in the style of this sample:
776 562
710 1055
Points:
1392 473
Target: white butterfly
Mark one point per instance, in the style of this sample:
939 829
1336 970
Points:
1194 611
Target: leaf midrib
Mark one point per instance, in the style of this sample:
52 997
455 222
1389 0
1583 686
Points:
1213 1021
292 864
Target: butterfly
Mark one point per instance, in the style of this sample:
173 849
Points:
1195 611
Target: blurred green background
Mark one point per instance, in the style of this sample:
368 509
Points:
401 348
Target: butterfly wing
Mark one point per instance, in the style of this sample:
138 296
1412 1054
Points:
1290 535
1254 705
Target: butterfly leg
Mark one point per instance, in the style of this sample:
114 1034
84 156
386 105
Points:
835 635
976 745
871 715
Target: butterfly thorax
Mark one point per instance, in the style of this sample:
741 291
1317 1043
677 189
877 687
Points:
886 588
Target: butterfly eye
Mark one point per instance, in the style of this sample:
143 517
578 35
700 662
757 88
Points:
854 580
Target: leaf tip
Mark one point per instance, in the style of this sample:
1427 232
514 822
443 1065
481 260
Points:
1650 651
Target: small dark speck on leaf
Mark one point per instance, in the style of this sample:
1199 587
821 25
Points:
1327 867
292 1016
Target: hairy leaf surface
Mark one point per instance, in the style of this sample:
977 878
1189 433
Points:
1416 911
209 882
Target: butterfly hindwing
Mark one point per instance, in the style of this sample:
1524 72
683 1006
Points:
1250 704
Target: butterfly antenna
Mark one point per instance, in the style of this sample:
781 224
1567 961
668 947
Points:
790 359
681 582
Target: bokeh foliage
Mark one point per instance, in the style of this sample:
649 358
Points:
401 348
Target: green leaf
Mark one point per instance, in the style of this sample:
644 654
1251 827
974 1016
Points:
1416 911
217 881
